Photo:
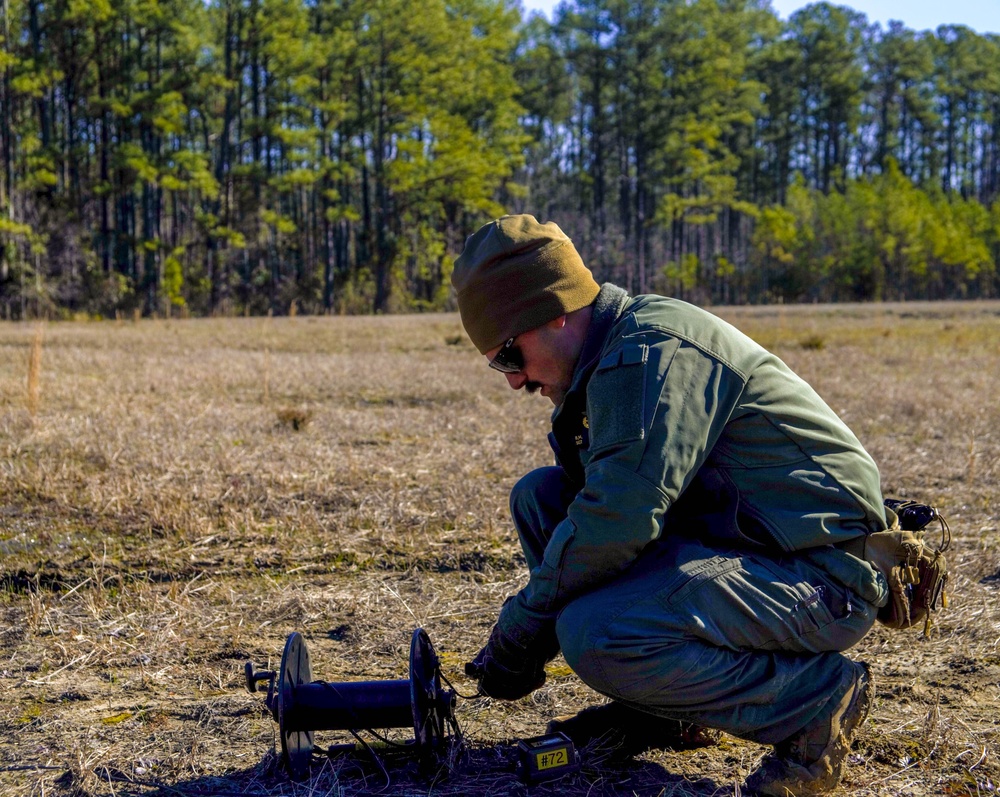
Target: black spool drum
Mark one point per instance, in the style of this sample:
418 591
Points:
305 705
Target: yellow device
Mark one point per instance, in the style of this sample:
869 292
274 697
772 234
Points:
546 757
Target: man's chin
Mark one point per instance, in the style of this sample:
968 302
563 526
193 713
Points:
554 395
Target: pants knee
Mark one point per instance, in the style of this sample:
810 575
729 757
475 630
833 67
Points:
539 494
582 646
538 503
622 657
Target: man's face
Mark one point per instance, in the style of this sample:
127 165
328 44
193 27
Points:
549 353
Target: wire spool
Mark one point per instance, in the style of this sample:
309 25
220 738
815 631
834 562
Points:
302 705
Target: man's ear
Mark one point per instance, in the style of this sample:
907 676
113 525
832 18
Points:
557 323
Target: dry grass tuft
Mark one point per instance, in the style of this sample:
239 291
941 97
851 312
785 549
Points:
158 528
295 418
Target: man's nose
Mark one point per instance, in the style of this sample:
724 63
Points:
516 381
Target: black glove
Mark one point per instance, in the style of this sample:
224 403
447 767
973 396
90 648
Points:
508 670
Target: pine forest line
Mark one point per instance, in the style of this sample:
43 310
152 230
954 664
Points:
254 156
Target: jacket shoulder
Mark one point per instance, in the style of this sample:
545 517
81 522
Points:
655 317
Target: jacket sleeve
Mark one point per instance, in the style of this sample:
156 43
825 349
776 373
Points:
656 407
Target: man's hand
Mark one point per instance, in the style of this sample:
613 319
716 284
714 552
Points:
506 669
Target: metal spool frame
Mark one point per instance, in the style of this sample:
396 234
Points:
302 705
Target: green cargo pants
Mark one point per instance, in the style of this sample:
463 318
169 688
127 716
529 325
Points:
740 641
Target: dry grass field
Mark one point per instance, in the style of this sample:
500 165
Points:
178 496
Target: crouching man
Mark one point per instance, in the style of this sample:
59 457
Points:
688 553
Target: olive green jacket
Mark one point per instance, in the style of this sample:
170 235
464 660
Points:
678 423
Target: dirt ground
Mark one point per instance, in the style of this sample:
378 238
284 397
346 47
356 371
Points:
177 497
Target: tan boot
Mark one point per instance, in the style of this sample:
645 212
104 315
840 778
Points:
617 732
812 762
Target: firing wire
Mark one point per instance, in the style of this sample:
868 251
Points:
457 693
373 754
329 755
452 719
354 733
370 750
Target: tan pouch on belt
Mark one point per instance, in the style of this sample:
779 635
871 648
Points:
916 572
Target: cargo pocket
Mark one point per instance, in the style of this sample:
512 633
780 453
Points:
745 602
706 571
810 606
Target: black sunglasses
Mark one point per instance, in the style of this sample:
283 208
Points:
509 359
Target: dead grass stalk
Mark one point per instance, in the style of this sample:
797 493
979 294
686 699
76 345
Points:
35 371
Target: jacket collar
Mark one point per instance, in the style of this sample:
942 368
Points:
608 307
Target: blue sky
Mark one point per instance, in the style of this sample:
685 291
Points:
980 15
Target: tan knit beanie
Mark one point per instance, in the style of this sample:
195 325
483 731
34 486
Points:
516 274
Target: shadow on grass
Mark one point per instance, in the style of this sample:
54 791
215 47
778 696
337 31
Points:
487 771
